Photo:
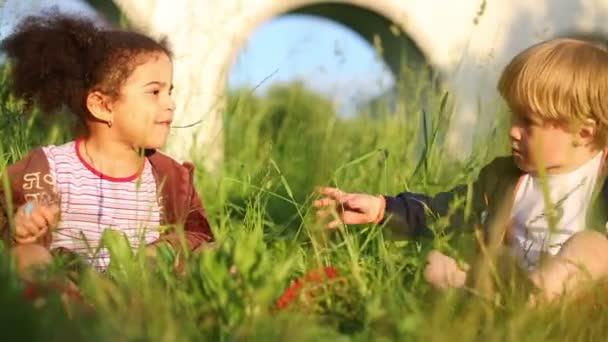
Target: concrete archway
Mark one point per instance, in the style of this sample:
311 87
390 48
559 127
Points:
396 46
467 42
370 25
398 51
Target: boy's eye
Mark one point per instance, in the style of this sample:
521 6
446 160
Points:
530 122
523 120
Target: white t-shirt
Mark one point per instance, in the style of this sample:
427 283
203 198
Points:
570 195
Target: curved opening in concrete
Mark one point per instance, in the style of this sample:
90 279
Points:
409 76
325 57
395 46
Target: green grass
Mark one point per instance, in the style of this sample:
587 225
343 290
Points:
278 148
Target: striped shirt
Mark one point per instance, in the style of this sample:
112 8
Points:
92 202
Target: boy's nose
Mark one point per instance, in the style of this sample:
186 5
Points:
515 132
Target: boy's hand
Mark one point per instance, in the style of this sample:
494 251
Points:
442 271
33 220
351 208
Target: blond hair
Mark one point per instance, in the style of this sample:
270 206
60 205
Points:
560 81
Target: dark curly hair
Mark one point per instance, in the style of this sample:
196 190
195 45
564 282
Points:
58 59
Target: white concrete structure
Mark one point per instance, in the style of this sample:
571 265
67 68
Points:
467 41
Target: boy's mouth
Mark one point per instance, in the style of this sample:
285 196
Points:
516 151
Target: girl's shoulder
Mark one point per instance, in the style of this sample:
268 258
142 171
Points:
37 162
30 177
63 158
52 151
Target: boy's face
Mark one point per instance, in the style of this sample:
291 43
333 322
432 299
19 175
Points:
535 144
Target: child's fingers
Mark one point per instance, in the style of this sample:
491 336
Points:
443 272
324 202
323 213
22 231
334 224
50 214
25 240
332 192
435 270
38 220
27 228
28 220
41 232
29 238
32 222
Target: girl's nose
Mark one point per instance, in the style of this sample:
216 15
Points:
170 104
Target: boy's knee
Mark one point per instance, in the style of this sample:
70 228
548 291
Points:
586 247
582 258
29 257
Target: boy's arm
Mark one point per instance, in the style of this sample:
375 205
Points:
407 212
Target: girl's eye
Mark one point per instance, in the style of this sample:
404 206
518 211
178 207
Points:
156 92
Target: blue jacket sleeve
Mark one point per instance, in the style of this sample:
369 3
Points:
410 213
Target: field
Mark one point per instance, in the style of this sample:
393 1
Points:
279 147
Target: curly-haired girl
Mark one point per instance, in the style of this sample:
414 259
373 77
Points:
119 85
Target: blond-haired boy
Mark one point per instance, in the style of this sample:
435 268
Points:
556 91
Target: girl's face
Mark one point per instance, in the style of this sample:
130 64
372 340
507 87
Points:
144 110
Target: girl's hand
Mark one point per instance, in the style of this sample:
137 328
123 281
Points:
33 220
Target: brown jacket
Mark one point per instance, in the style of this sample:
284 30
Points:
30 179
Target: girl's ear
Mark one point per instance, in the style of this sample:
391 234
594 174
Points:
99 105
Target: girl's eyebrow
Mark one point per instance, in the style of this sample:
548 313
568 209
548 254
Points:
161 84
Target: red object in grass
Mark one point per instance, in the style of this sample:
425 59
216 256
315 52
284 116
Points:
33 291
316 276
